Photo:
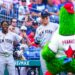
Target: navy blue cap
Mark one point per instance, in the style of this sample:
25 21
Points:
35 23
44 14
23 0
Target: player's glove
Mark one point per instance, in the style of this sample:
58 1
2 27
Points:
37 40
18 54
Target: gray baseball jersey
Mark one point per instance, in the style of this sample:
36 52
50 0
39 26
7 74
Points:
44 33
6 41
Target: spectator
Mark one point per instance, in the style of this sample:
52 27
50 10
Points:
1 2
65 1
15 8
13 27
23 45
56 2
62 2
22 10
8 4
29 41
32 2
31 38
29 25
70 0
53 10
3 11
9 7
37 8
15 1
34 25
23 30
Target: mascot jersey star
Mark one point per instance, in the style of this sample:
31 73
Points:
62 45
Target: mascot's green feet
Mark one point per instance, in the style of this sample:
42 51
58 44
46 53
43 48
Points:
71 66
55 66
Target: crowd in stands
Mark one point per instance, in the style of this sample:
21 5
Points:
24 16
20 9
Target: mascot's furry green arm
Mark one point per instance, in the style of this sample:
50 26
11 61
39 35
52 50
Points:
59 53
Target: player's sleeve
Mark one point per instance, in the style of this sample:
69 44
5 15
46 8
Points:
17 38
55 26
37 37
53 45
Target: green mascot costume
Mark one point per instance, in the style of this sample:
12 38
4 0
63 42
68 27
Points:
59 54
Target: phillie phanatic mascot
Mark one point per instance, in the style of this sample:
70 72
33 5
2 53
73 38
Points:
59 54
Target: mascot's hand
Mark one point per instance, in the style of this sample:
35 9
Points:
47 54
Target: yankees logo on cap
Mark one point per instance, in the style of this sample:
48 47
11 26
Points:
69 7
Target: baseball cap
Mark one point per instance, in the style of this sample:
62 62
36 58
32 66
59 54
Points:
23 27
69 7
35 23
23 0
44 14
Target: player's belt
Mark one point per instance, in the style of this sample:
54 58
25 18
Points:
5 54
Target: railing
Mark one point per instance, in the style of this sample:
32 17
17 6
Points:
27 63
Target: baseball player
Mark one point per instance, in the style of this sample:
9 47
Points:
6 49
44 33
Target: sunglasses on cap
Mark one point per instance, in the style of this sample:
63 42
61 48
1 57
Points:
23 30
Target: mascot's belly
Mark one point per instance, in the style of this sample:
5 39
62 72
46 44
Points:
66 46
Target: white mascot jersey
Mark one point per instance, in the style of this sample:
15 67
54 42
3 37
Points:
60 44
